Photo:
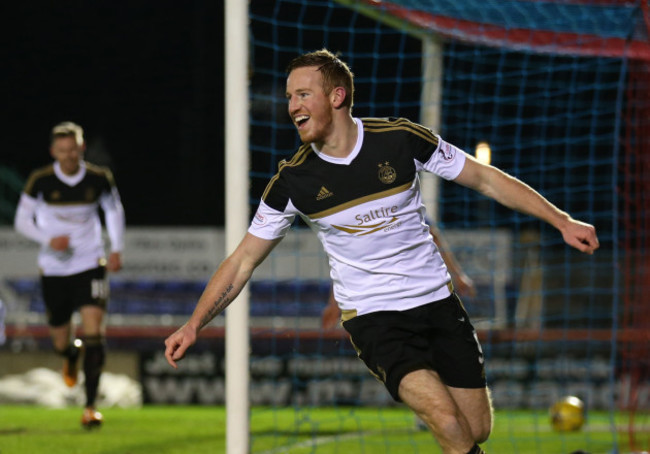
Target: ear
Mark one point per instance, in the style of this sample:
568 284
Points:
337 96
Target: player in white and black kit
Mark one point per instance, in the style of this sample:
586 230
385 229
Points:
59 209
463 284
355 183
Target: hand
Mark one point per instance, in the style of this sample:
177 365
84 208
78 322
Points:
331 315
581 236
60 243
178 343
114 262
464 285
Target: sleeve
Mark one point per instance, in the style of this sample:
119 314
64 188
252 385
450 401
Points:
24 222
114 216
275 213
446 161
269 223
31 186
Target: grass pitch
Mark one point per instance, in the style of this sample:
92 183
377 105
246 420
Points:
197 430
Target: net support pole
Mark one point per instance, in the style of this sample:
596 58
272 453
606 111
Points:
430 116
236 176
430 107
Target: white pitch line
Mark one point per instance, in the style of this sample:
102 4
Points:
318 441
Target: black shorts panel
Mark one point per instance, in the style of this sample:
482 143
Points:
437 336
65 294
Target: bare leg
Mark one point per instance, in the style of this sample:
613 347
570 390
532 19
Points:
476 406
92 320
429 398
435 403
61 336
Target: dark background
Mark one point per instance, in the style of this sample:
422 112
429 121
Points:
144 79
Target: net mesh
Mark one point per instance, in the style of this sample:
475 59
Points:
559 92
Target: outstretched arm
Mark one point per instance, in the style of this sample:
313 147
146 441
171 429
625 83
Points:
223 287
515 194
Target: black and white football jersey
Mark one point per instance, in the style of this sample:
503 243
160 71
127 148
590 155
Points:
368 213
54 204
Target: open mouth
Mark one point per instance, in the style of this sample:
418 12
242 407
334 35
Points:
300 120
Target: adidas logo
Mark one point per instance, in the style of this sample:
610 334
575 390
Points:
324 193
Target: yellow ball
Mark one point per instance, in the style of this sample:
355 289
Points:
568 414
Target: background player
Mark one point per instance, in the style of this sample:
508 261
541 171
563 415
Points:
59 209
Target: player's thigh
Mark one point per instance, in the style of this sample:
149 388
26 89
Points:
476 405
423 391
92 320
90 288
59 305
91 298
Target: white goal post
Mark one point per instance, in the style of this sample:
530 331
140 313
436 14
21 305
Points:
237 168
236 222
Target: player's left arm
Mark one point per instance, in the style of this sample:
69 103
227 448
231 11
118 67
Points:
331 314
463 284
115 226
517 195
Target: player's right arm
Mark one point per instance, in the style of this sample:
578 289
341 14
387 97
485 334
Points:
25 225
223 287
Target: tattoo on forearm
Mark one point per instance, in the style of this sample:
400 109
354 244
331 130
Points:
219 305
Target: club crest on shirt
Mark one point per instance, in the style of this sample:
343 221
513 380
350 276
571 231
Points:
90 194
55 195
259 219
386 173
448 151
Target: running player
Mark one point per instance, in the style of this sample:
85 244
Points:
355 182
59 208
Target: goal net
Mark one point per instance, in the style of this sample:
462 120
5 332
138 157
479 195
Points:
559 92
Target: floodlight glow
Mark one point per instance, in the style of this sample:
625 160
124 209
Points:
483 153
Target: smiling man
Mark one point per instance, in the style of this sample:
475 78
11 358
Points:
355 182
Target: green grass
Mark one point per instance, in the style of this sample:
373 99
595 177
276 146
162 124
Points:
196 430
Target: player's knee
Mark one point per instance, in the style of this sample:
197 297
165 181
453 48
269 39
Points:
444 423
483 435
482 427
483 431
93 339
